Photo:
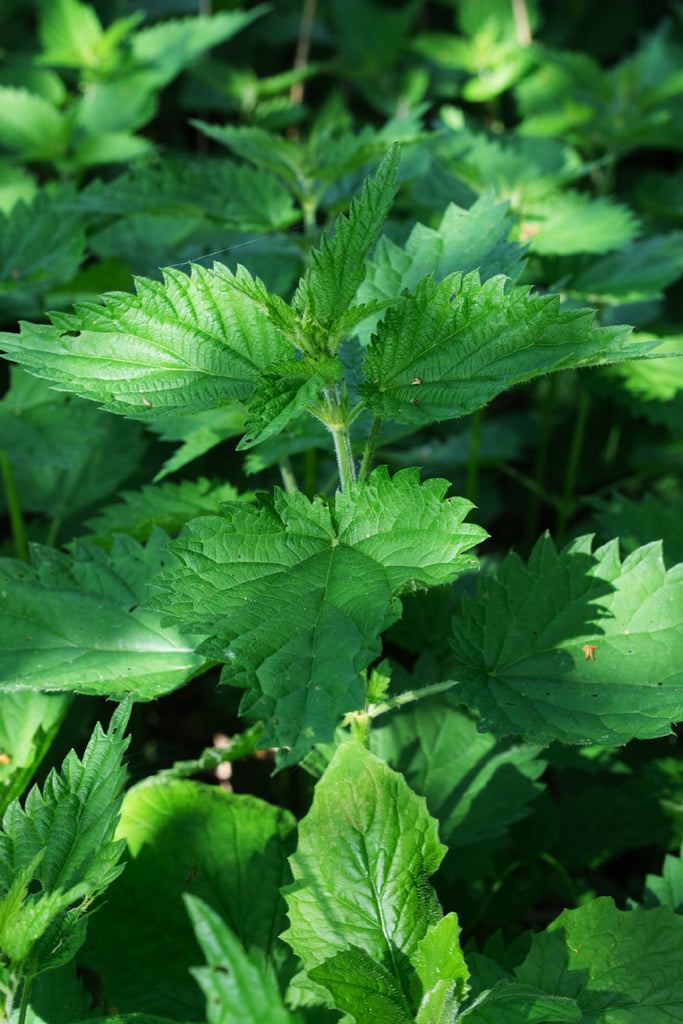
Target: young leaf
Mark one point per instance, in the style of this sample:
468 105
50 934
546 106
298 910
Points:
366 849
448 349
191 343
236 983
465 240
297 595
74 623
58 851
571 222
230 850
338 267
575 647
32 125
283 392
441 972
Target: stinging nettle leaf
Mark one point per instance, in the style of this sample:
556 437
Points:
189 343
575 646
617 965
296 594
75 623
62 842
338 267
449 348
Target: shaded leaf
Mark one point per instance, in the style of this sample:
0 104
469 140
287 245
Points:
574 646
604 959
230 851
476 786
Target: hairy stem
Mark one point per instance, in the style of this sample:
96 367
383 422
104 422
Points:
410 696
369 450
336 423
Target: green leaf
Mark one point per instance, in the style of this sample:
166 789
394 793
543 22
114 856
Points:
475 785
605 959
236 983
190 343
640 522
338 267
74 623
285 391
366 849
638 273
29 722
300 657
71 34
510 1003
465 240
64 453
571 222
666 890
448 349
167 507
169 46
655 380
364 988
441 972
247 198
229 850
41 245
199 432
61 844
574 646
32 125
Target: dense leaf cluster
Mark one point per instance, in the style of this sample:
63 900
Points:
318 391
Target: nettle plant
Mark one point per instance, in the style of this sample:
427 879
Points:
336 917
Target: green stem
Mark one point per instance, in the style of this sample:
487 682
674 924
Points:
409 697
573 463
342 447
25 996
287 474
475 447
14 509
369 451
336 423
